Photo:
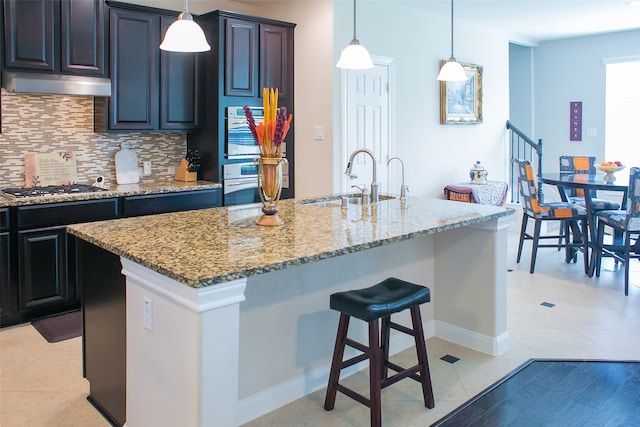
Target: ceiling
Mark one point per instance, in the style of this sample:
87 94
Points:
529 21
542 20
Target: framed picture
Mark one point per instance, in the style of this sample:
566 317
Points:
461 102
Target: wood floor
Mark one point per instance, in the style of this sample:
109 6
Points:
557 393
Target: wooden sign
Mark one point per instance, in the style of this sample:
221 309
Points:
575 123
41 169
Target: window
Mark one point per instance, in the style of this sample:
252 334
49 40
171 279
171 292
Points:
622 111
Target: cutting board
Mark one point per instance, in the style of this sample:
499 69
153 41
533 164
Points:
127 167
41 169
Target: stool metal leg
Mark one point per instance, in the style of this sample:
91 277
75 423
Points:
375 371
421 349
336 363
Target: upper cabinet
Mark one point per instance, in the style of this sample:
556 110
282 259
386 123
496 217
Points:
256 55
179 80
241 58
153 90
57 36
248 53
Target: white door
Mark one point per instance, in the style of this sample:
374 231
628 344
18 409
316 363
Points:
366 124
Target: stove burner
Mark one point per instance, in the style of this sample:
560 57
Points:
50 190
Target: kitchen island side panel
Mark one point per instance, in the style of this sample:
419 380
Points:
104 329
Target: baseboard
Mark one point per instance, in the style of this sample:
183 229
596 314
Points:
268 400
482 343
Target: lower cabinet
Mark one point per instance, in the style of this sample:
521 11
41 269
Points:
42 272
38 259
5 274
151 204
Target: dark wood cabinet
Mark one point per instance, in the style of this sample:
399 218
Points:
5 274
276 46
252 53
256 55
57 36
179 81
40 268
104 338
153 90
42 272
37 256
134 41
170 202
30 34
5 263
82 37
241 58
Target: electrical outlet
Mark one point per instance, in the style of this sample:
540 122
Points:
148 314
146 167
172 170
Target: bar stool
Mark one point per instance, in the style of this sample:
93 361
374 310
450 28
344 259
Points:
371 304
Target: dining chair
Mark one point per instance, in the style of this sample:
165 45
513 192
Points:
626 226
587 165
532 208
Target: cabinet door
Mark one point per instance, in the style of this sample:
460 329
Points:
82 37
134 41
178 82
42 270
274 58
5 276
241 58
30 34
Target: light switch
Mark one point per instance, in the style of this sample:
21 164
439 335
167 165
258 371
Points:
318 133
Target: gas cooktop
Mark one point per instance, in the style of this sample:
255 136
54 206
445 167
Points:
49 190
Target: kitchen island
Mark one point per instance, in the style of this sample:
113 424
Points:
227 320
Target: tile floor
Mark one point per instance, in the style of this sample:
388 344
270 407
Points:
41 384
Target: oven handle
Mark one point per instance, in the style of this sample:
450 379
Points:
232 186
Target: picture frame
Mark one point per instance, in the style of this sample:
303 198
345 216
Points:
461 102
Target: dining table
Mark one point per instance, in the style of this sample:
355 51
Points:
590 183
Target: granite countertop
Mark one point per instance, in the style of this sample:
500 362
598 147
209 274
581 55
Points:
205 247
158 187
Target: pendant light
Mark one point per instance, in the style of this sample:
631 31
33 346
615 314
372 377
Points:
452 71
354 56
185 35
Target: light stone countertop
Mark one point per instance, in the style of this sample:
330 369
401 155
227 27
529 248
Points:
210 246
158 187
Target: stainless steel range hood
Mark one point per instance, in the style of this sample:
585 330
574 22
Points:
55 84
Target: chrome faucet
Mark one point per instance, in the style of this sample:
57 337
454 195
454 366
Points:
374 184
403 188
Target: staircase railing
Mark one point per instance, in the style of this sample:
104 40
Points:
523 148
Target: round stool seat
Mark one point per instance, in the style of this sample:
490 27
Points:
383 299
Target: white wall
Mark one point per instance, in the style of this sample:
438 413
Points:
572 70
434 154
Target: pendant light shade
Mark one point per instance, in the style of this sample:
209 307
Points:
185 35
452 71
355 56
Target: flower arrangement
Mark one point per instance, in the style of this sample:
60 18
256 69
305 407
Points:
271 133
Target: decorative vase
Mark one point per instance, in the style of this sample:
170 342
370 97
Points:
270 188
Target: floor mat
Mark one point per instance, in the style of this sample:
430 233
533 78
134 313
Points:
556 393
61 327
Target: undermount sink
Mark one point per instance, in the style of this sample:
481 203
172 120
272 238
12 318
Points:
337 201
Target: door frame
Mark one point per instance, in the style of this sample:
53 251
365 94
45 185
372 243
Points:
341 156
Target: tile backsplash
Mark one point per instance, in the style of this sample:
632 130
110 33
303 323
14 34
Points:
52 123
